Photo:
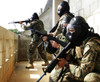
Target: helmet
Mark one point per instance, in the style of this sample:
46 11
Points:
64 23
77 30
63 8
35 16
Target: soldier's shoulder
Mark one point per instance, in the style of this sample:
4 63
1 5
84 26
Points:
40 21
94 40
66 15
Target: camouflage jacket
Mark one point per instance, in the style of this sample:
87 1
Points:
59 28
37 25
88 57
58 32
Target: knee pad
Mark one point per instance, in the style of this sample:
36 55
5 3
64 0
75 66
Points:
92 77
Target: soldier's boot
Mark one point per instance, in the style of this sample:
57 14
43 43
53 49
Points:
45 64
29 66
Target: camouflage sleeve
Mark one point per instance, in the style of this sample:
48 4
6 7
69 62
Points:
34 23
29 26
41 27
88 61
23 26
59 27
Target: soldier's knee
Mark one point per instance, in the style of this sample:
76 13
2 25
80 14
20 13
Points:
92 77
40 52
39 49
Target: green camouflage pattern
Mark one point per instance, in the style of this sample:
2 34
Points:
88 68
90 60
58 33
59 28
37 25
32 47
92 77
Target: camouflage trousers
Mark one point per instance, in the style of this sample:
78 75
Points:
91 77
54 74
32 48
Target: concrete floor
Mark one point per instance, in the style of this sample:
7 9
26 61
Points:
21 74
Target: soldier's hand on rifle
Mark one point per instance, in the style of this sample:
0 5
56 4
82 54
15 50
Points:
20 22
44 38
62 62
51 34
54 44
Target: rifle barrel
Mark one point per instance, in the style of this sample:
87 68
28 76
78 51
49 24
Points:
41 76
26 21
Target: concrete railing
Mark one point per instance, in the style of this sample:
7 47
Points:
8 53
13 48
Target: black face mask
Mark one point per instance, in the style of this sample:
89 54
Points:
34 16
69 36
63 8
77 30
78 35
60 10
74 37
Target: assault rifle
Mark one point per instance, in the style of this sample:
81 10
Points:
54 62
26 21
49 37
61 54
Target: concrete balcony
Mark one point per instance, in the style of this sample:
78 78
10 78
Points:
13 59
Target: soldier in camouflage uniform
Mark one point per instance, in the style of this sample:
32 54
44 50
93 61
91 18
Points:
36 40
55 73
87 52
64 13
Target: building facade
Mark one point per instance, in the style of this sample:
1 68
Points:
89 9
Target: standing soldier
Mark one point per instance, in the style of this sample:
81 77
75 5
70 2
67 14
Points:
36 40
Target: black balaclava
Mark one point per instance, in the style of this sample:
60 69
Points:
63 8
35 16
81 30
66 20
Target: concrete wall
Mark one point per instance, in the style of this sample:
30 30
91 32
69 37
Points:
55 16
46 17
89 9
23 44
8 52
